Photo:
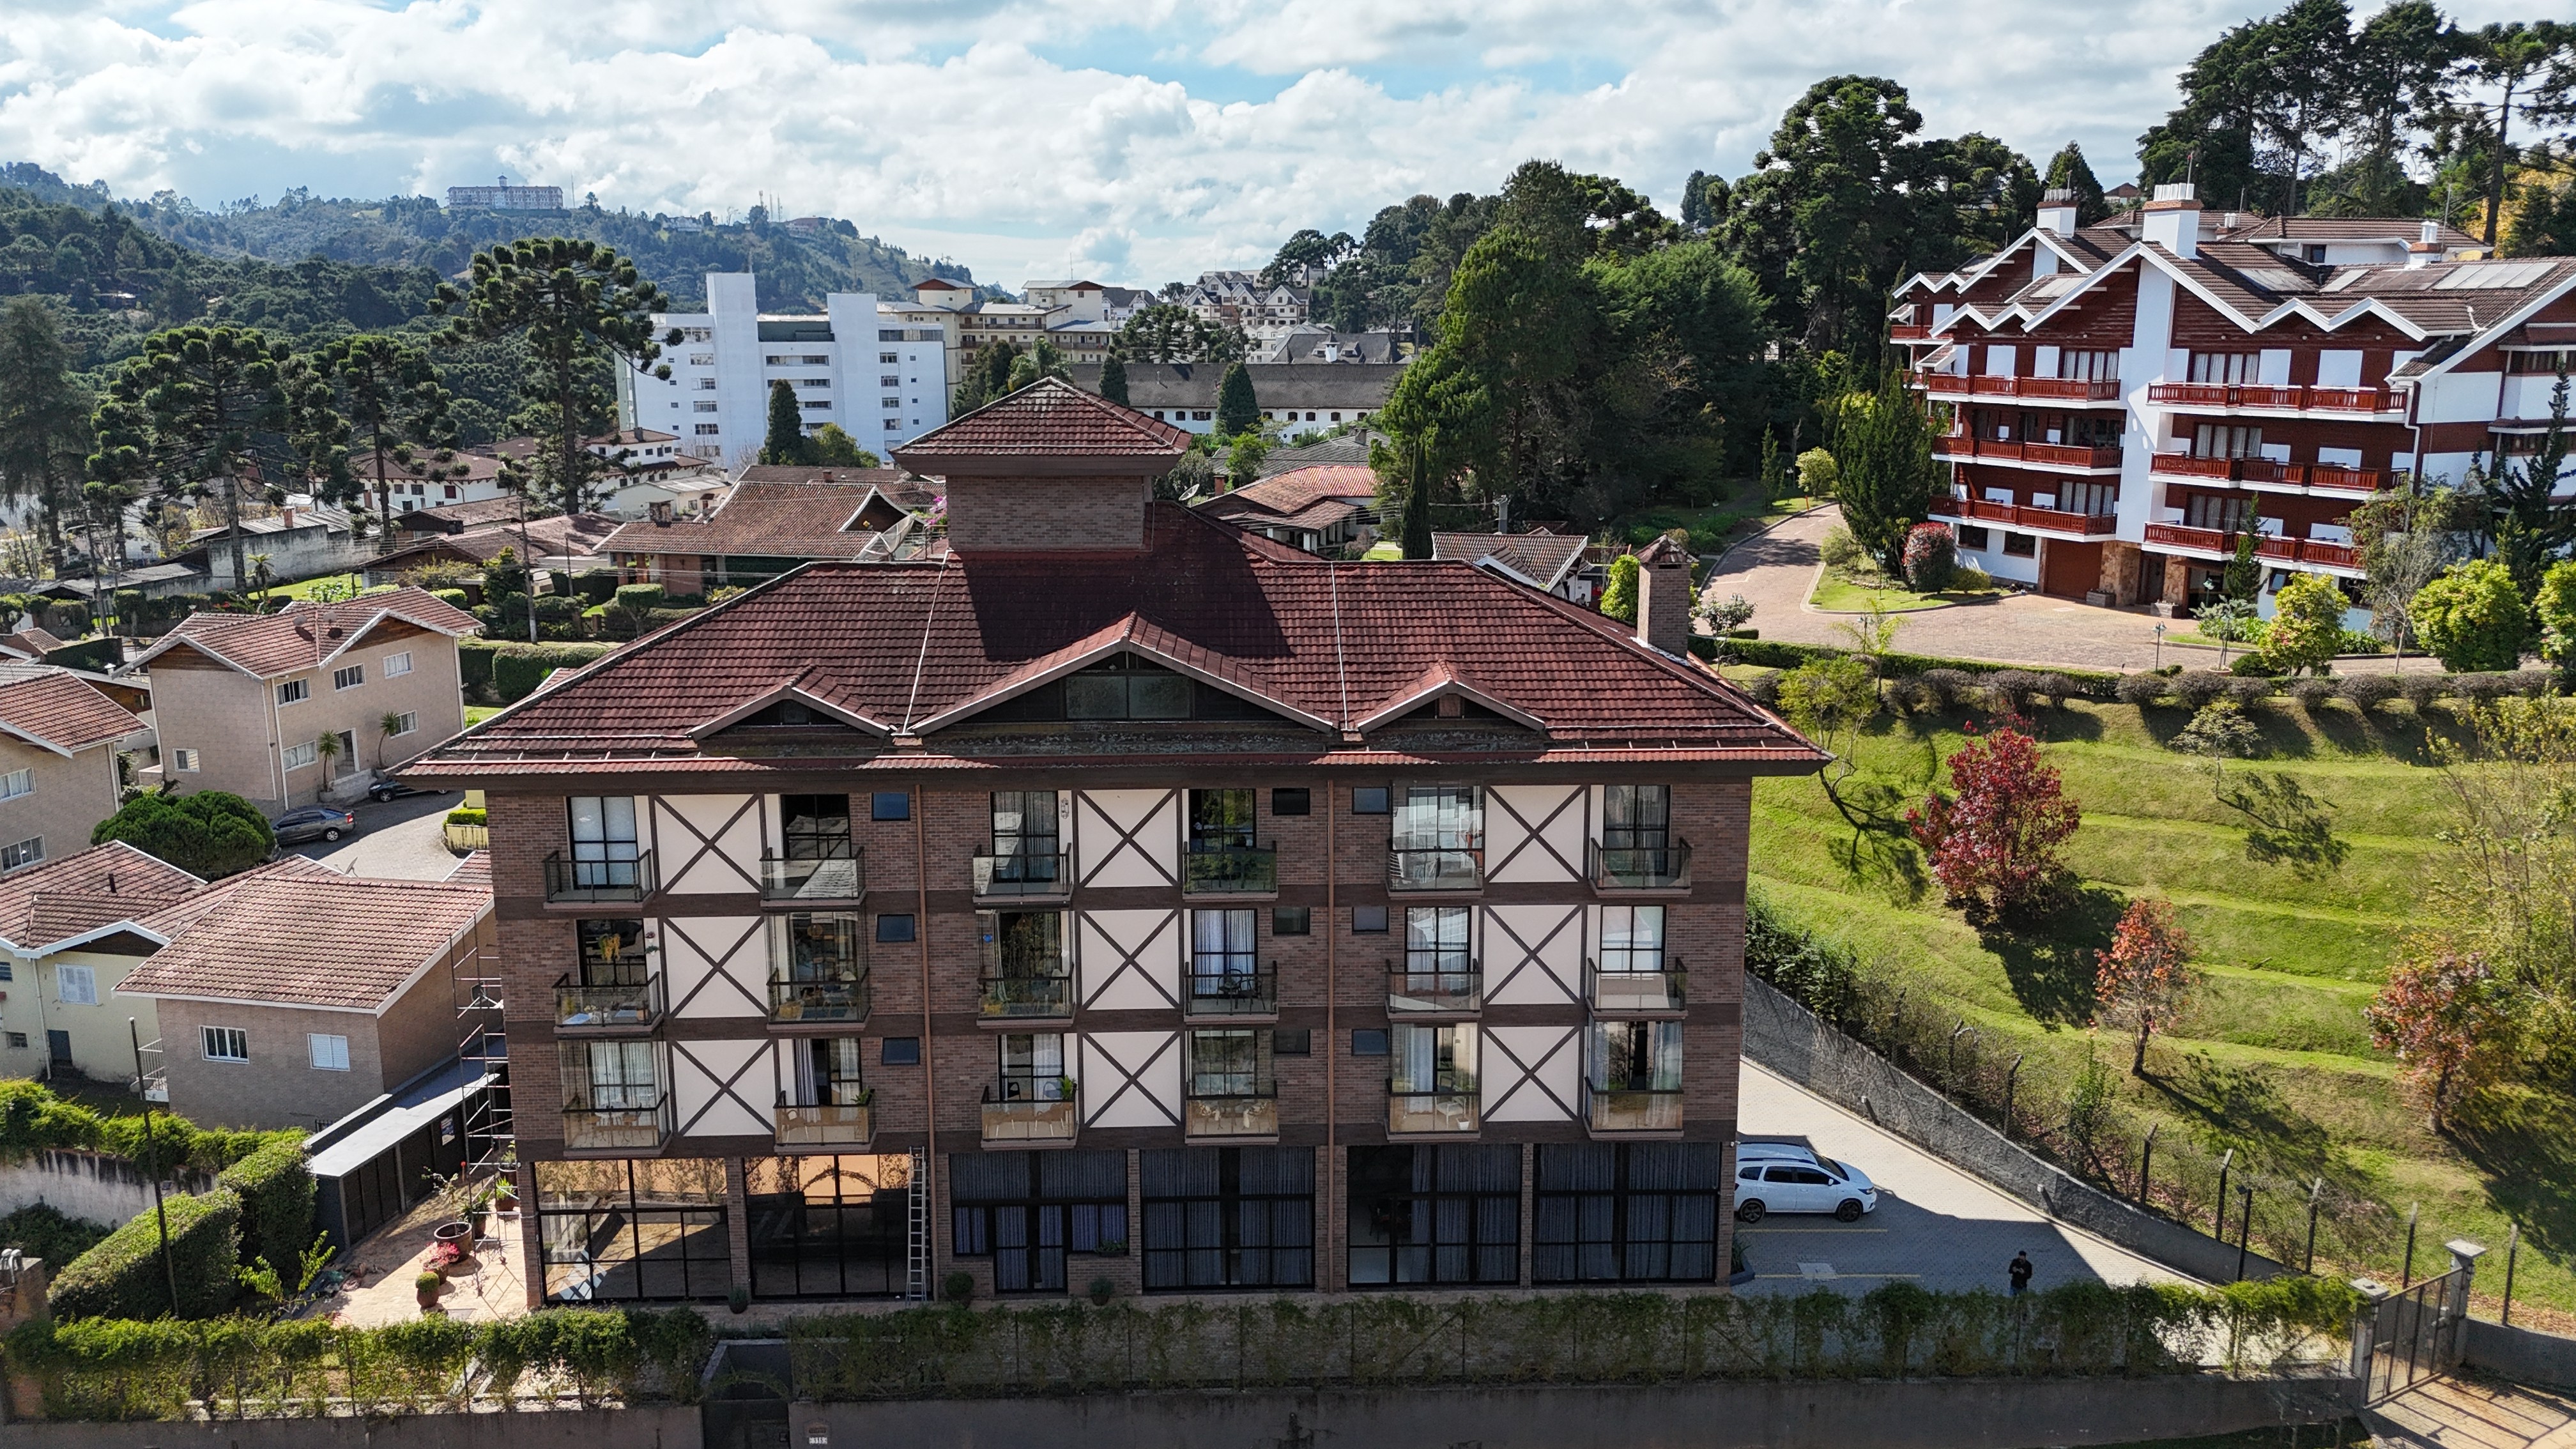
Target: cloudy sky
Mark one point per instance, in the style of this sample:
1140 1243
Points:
1131 140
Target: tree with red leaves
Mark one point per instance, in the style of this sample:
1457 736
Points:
2445 1018
2142 981
1994 840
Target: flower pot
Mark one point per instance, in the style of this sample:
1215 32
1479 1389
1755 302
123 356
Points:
459 1232
479 1220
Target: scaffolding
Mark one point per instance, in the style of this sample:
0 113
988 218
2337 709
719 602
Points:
491 1138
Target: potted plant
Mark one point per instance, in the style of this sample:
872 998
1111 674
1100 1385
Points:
478 1216
426 1287
1102 1290
457 1232
1064 1089
738 1299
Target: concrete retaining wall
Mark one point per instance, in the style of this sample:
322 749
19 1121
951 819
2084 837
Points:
2519 1354
1786 1038
1955 1414
657 1427
91 1186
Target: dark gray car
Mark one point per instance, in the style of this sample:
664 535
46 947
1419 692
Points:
313 822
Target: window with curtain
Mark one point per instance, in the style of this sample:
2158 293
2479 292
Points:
827 1071
2226 366
1632 938
1024 824
1434 1214
1021 945
1440 817
1224 952
1636 1056
1232 1062
605 847
1436 940
1032 1066
2222 440
1636 817
2226 515
1228 1217
1635 1212
1435 1058
617 1075
1028 1211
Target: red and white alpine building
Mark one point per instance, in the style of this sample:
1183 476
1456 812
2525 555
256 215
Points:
2129 396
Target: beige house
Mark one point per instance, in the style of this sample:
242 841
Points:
58 741
71 930
292 995
289 708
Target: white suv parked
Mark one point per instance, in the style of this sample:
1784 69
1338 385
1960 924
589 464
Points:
1776 1177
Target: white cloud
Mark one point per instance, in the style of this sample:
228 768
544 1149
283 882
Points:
995 130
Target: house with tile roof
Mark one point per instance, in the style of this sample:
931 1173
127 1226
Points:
1551 563
1114 860
1328 508
564 542
290 995
244 703
71 929
60 733
767 526
2130 398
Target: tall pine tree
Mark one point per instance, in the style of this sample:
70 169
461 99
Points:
1237 410
786 440
44 419
1113 379
199 415
1883 452
384 413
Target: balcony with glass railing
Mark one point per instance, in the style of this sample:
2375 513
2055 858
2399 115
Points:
571 881
1235 1110
1228 991
637 1120
1645 983
1434 988
1022 1109
1430 872
1615 868
836 996
1008 996
615 1007
1230 870
838 881
1449 1111
1019 876
826 1125
1615 1111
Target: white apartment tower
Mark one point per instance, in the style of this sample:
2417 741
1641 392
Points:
856 364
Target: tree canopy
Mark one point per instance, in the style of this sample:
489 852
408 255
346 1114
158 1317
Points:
207 834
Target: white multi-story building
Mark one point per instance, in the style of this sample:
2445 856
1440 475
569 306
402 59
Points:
858 364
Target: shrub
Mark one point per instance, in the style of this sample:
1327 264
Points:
1909 696
2195 689
468 815
2313 694
207 834
2307 624
2249 691
2009 691
1817 473
596 587
1619 590
2253 663
2366 692
1840 549
958 1287
2142 689
41 1231
1765 688
1965 579
2472 617
453 598
123 1276
2058 687
2530 683
640 597
1950 688
2480 688
517 669
2422 689
474 661
1931 557
275 1185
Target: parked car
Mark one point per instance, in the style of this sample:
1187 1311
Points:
1796 1180
313 822
385 787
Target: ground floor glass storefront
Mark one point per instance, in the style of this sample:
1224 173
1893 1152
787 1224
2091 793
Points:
622 1231
1228 1217
827 1227
1449 1213
1626 1212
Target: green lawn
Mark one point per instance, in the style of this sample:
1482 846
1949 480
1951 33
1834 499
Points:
475 714
2294 929
1842 590
341 584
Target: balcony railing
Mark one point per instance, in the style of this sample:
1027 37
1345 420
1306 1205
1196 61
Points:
2045 455
1028 997
1449 1112
2038 520
1249 1113
639 1127
825 1126
1657 991
598 880
1620 1110
1909 331
1226 870
1221 992
1022 877
2054 389
1638 868
840 998
2281 550
1435 870
2277 397
1431 991
1009 1118
812 880
2265 472
617 1007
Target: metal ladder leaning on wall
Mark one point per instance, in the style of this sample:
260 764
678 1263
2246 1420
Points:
916 1231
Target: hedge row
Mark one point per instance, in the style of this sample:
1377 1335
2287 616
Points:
1773 654
124 1277
514 670
34 1119
115 1369
276 1188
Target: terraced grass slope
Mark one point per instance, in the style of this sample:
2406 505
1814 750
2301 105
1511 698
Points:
2295 887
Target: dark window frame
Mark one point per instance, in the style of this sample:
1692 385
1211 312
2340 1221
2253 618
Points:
1196 1239
1292 800
1576 1233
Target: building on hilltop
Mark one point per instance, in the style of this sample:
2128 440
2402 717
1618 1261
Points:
1124 896
505 197
1303 398
2130 397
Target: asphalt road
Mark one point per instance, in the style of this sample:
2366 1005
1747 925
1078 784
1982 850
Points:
398 840
1935 1226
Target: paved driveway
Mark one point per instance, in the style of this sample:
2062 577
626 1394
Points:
1935 1225
399 840
1775 572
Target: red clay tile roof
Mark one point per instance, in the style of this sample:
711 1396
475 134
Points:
306 636
60 711
1301 488
800 473
458 517
905 644
776 520
1051 418
79 893
31 643
1542 558
306 937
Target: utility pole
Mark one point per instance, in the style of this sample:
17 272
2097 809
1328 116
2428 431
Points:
161 1214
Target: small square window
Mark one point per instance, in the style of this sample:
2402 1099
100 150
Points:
18 1040
1368 920
890 805
1368 800
1292 1042
350 677
894 928
183 760
295 691
901 1051
330 1052
1290 802
1291 920
1366 1041
224 1043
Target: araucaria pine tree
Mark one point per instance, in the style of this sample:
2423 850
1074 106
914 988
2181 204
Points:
44 419
1113 379
1883 458
374 407
198 415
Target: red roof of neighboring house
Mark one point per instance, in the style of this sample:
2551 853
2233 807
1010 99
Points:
304 937
778 520
306 635
940 284
1295 491
76 894
566 535
1050 418
1542 558
460 466
29 644
919 647
60 711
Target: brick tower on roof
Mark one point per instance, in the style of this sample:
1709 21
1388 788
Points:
1048 469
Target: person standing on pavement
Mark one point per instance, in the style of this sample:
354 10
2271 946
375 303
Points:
2019 1271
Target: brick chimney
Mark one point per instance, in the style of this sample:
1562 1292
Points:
1048 469
2172 219
1664 597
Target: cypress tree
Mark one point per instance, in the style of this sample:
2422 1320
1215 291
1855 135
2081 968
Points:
1417 512
1113 380
44 420
786 440
1883 449
1237 410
